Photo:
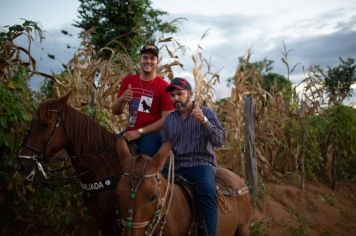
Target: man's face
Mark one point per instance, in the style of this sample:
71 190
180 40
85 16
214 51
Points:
180 99
148 62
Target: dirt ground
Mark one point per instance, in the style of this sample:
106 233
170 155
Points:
285 209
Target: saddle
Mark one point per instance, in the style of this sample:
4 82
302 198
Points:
224 187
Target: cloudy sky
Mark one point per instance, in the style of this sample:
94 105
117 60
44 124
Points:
317 31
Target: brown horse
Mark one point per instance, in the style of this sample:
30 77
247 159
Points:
91 148
151 204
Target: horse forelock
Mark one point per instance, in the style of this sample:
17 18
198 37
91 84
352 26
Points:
47 109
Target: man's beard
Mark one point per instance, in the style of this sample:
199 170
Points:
180 106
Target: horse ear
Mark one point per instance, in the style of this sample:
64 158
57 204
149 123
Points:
160 157
123 151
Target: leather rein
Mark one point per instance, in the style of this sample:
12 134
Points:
162 204
40 157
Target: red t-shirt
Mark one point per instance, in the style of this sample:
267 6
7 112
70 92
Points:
149 100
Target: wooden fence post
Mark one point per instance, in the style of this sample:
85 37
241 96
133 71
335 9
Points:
304 141
250 146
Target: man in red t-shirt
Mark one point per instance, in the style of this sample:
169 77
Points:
148 101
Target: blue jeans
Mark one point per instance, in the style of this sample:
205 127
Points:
150 143
203 178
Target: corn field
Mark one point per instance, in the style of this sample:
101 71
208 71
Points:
281 135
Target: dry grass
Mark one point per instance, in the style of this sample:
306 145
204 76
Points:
93 82
13 56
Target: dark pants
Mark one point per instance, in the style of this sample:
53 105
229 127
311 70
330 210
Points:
203 178
150 143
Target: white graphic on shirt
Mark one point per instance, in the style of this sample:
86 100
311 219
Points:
141 102
145 104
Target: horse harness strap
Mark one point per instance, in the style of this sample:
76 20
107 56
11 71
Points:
158 217
38 158
100 185
133 188
232 192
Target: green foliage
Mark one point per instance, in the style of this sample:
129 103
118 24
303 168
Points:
256 228
46 89
341 127
313 154
274 81
120 24
338 80
16 107
16 30
336 128
12 56
21 203
265 65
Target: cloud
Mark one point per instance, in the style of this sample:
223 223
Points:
317 39
56 44
323 50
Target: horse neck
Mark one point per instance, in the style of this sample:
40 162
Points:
84 134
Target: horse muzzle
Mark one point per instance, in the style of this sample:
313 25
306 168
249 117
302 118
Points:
28 166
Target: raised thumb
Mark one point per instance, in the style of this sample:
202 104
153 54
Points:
196 104
129 86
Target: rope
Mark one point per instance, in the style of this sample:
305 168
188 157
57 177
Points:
169 190
222 203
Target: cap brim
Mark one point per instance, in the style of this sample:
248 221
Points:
170 88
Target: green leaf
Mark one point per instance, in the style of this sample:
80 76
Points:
11 85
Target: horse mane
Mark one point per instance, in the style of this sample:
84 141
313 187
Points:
79 125
85 133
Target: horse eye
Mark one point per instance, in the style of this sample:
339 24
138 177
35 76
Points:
44 125
153 198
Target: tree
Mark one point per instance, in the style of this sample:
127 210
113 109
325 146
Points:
338 81
121 24
278 82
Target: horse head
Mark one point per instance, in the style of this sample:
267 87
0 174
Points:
141 189
46 136
91 152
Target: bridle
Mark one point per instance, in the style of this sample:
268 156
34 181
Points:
40 154
161 203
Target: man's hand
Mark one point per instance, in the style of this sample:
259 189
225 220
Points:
197 113
127 95
132 135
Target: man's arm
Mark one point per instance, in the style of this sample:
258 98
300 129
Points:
213 129
118 106
155 126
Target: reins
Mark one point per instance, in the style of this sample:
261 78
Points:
40 156
162 204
